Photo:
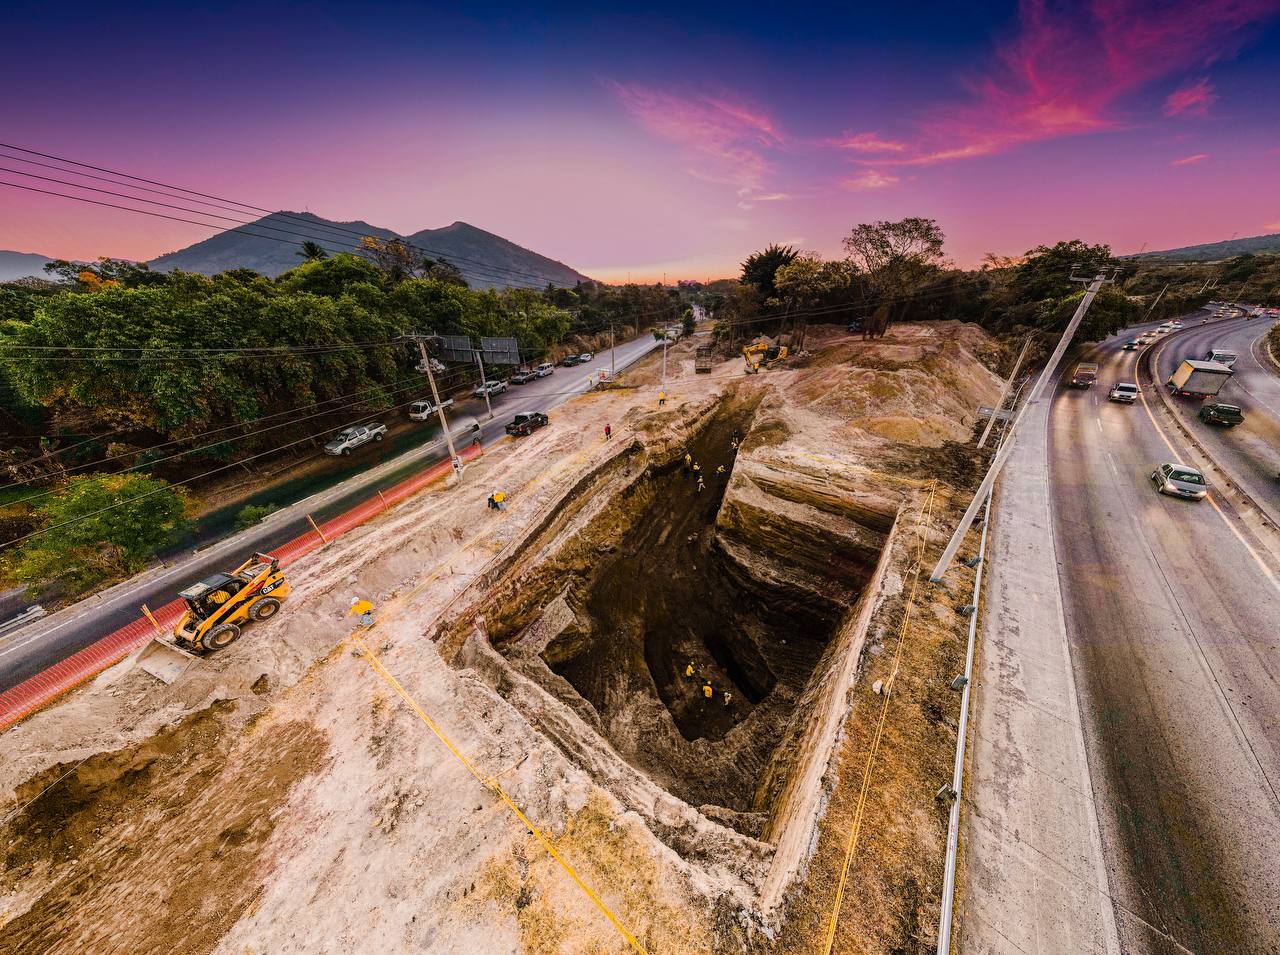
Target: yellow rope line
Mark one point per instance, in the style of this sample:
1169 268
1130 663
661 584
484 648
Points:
391 681
856 829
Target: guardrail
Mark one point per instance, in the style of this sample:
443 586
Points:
45 687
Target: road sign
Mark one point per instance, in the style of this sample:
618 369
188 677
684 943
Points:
500 351
455 347
985 412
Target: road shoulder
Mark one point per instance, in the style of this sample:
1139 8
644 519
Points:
1035 879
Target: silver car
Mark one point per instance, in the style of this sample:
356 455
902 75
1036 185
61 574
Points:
1180 480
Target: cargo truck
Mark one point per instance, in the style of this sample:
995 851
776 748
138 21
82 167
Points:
1198 379
703 360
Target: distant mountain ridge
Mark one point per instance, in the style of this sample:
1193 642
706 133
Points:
21 265
1212 251
270 245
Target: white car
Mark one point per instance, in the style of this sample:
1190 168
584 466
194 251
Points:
490 388
1124 391
546 368
1180 480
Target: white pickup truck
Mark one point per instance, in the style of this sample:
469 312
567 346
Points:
350 438
422 410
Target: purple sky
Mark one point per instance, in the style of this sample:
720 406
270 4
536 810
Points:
674 141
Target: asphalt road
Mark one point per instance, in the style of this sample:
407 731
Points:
1172 623
1251 450
38 645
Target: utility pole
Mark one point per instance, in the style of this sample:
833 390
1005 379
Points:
613 353
664 358
1004 392
484 382
1104 276
1156 302
435 396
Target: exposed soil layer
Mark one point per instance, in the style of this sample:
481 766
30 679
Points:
96 834
671 586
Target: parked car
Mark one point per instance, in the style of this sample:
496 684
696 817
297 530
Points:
422 410
490 387
1132 344
570 360
527 422
1124 391
585 357
521 377
546 368
1180 480
348 439
1226 415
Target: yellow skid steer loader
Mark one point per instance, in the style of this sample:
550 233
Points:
217 607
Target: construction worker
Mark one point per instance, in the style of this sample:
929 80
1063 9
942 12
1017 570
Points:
734 444
688 460
498 500
720 469
728 697
696 467
707 691
362 609
662 398
688 671
608 431
701 486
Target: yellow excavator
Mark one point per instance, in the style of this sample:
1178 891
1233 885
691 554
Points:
763 352
217 607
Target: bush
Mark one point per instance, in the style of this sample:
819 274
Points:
252 514
99 527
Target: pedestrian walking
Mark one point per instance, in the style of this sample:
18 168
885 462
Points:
608 432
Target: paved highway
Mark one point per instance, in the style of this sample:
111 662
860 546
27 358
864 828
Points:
1250 451
1171 609
38 645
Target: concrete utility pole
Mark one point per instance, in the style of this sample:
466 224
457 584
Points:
435 396
1156 302
1004 392
613 354
484 383
1103 277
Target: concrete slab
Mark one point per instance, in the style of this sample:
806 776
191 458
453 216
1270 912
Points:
1034 879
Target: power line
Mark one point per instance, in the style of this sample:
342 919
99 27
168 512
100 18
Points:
477 264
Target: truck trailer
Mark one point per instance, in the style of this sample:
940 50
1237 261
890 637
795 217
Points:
1198 379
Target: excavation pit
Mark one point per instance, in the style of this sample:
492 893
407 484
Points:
745 582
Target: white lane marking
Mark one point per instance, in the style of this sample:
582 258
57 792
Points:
1098 422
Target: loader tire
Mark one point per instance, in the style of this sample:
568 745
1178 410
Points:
219 637
264 609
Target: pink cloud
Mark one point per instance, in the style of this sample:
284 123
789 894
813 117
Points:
1190 160
866 143
1068 69
869 180
1192 100
734 137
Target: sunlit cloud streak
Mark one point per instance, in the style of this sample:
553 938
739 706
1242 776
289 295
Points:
1192 100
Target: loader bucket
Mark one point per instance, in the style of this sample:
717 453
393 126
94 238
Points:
163 660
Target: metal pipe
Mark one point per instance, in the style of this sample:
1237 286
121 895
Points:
957 775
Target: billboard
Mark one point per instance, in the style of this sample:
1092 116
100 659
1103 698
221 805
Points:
500 351
455 347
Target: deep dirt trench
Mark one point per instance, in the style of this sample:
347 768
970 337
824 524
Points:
647 589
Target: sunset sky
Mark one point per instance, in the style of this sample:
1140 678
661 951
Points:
671 140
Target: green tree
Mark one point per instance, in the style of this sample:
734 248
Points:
761 268
687 324
98 528
312 251
896 258
1045 271
1111 311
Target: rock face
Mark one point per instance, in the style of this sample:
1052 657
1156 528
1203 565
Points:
802 536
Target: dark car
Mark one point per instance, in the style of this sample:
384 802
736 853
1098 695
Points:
1132 345
1226 415
522 377
570 360
527 422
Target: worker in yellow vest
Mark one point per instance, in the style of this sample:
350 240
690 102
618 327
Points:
688 671
662 398
707 691
362 609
